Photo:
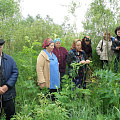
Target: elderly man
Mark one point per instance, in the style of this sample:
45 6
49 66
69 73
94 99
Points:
8 78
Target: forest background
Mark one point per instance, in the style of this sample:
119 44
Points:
23 41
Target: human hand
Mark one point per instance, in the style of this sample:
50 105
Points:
3 89
115 39
88 61
42 85
83 62
117 48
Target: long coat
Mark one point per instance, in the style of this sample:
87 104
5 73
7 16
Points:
61 55
43 69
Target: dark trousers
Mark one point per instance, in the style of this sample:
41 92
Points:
52 95
9 108
104 62
116 64
61 75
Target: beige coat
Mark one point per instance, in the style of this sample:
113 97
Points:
43 70
106 50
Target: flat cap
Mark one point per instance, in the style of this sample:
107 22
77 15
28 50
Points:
1 42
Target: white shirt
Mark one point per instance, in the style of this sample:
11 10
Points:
0 58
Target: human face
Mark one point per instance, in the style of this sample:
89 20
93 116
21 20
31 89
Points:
87 42
78 45
1 49
107 36
50 47
58 44
118 33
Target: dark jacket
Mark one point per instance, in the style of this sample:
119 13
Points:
73 57
10 74
61 55
87 49
116 44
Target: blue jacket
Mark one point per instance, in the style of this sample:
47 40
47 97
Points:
10 74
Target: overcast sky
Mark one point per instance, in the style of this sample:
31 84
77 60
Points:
55 10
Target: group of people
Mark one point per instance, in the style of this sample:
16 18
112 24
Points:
51 62
109 48
51 66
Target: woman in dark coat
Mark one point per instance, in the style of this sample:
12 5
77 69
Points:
77 55
86 46
61 54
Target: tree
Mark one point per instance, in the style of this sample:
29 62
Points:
101 16
9 17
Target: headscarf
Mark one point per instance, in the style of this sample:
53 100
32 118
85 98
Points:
87 38
74 43
58 39
47 42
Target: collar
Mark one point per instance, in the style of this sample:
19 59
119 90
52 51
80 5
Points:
118 37
44 54
74 50
4 55
1 55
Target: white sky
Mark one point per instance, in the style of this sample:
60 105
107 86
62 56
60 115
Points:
55 10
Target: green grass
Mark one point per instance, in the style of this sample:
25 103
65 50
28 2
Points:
100 102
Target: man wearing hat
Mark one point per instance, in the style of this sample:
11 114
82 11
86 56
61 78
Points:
8 78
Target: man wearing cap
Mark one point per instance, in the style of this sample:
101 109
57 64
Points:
8 78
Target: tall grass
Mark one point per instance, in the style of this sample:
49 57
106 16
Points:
101 99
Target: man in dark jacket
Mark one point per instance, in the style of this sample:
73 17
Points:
8 78
116 47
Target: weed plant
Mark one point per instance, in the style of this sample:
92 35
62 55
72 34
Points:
101 99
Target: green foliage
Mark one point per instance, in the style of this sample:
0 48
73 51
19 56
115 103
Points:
9 17
24 36
101 16
108 88
101 98
75 68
